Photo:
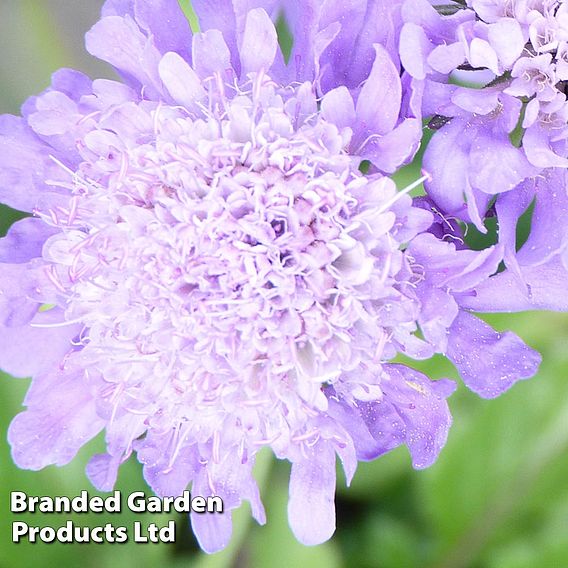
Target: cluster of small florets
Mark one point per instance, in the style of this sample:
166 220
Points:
494 74
234 254
516 50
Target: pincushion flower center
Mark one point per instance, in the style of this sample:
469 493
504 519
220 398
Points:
231 240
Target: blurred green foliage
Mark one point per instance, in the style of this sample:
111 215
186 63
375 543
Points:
496 498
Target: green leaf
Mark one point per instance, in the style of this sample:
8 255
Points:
384 540
504 469
190 15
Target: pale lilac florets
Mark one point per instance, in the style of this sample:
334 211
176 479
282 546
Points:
234 255
495 78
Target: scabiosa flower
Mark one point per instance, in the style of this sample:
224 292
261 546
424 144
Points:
501 144
207 272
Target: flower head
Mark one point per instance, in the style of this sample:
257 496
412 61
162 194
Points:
209 272
502 138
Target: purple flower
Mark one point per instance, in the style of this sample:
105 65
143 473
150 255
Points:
503 143
207 271
537 273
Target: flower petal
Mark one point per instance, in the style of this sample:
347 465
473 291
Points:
447 160
348 17
24 240
259 43
413 411
541 287
337 106
549 229
16 286
120 42
211 54
220 15
506 38
102 471
26 167
302 19
366 446
169 465
538 150
26 351
311 509
414 50
61 418
395 148
489 362
181 81
213 531
166 23
509 207
163 20
495 165
456 270
378 104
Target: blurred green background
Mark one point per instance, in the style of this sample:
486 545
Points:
496 498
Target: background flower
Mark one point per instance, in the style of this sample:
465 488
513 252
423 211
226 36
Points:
498 109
